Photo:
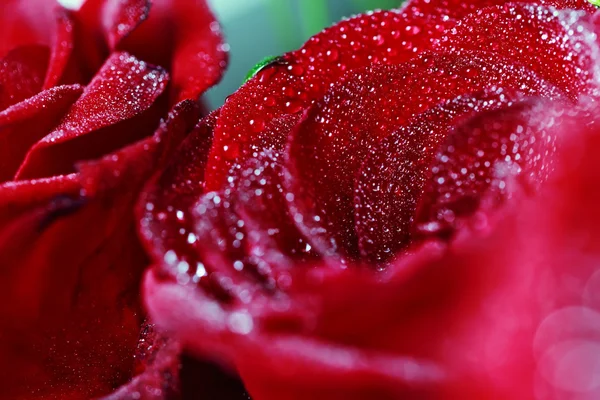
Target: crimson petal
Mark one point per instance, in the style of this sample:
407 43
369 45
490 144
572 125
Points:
62 50
124 88
485 158
298 78
21 196
327 149
25 23
475 306
390 182
453 7
293 82
22 74
84 321
176 188
78 323
560 46
186 40
121 17
23 124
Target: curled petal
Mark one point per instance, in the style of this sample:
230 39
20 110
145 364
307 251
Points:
83 322
391 181
23 124
121 17
568 60
295 80
328 147
22 74
102 119
25 23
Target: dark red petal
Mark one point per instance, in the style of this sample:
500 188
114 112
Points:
300 77
272 137
297 79
327 149
560 45
186 39
78 327
453 8
149 154
175 189
260 201
62 50
476 306
121 17
20 196
245 235
102 119
298 368
485 158
25 23
22 74
391 181
170 374
23 124
81 322
198 47
160 379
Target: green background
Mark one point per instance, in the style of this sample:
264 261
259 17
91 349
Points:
255 29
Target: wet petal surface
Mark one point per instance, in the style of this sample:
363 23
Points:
123 89
329 146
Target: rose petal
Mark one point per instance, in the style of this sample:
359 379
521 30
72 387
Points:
478 307
84 321
160 380
41 23
62 50
22 196
22 74
77 323
245 235
337 133
561 47
25 23
121 17
391 181
486 157
291 83
298 78
23 124
453 7
175 189
260 202
123 89
186 40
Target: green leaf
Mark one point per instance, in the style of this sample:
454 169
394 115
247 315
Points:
595 2
260 66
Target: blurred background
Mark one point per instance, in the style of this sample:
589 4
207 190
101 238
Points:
255 29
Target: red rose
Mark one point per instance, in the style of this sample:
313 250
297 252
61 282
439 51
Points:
405 207
82 94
